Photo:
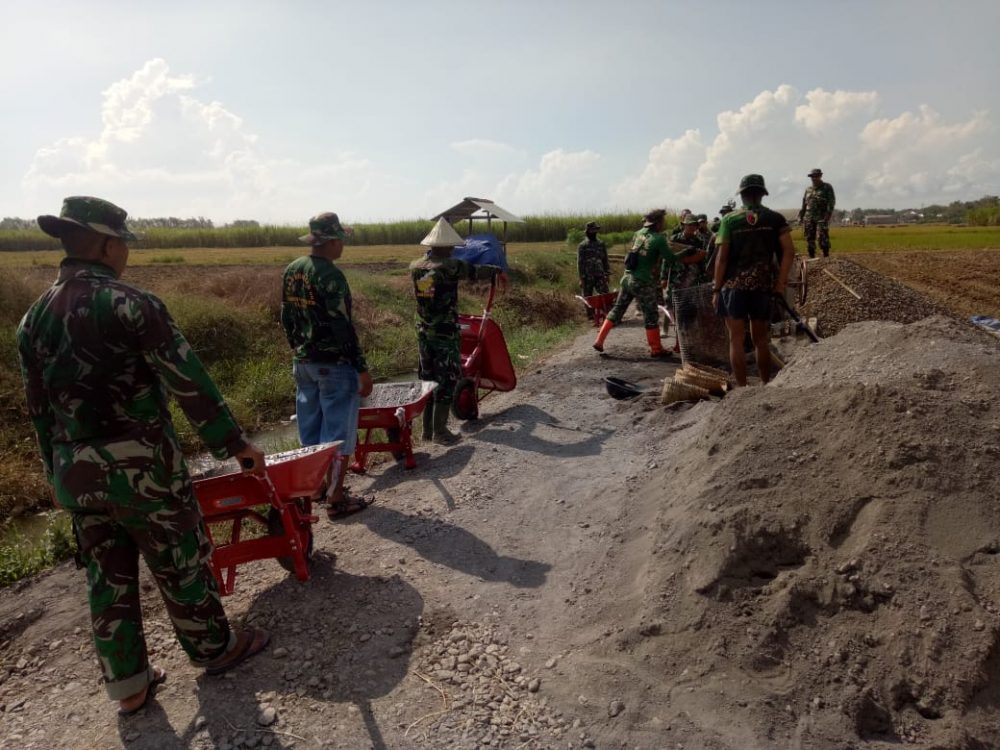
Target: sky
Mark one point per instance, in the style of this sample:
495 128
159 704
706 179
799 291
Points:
386 109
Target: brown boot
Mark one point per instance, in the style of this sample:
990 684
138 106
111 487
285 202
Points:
656 349
602 334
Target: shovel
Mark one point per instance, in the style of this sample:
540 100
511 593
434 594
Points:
795 316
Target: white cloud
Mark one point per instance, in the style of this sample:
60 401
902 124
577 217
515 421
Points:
564 181
906 159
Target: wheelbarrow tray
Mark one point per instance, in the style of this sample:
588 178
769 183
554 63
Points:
292 481
391 407
491 365
601 304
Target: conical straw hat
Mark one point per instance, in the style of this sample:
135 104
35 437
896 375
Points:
442 235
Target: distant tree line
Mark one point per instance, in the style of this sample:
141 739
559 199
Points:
982 212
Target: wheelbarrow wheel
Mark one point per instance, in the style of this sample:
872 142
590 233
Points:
276 528
465 404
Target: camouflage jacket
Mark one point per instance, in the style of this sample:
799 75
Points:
316 313
99 357
435 285
680 275
818 202
592 259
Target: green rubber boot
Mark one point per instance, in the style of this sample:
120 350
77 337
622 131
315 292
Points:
441 434
428 429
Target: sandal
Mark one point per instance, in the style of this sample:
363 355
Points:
348 507
249 642
159 677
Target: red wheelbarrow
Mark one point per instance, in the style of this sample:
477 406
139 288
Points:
278 503
599 304
391 407
486 365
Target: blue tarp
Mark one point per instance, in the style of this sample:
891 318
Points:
482 249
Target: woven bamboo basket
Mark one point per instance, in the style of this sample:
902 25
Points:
674 391
701 380
713 371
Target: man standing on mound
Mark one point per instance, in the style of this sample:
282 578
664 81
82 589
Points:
818 203
331 375
641 282
750 241
100 359
435 286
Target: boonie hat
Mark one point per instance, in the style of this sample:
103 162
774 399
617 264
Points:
325 227
815 173
702 217
592 226
689 219
442 235
653 217
753 181
88 212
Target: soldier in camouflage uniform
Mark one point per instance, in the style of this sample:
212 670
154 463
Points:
99 359
331 374
435 285
817 209
592 264
641 282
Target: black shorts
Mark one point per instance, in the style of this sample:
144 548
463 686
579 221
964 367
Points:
743 303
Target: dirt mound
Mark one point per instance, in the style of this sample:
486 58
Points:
833 539
882 298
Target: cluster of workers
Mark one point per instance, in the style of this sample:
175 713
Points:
746 254
101 358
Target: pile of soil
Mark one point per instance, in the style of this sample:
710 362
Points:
882 298
825 550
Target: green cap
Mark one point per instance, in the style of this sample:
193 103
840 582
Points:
85 211
752 181
592 226
689 219
815 173
653 217
325 227
702 217
726 209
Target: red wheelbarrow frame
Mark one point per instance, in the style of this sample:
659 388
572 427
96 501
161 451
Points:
292 482
601 304
486 365
396 417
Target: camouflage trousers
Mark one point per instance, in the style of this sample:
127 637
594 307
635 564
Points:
815 228
646 296
594 284
441 362
176 547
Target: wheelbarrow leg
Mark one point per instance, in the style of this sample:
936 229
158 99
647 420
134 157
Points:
361 453
406 438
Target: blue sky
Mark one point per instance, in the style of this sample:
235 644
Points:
383 110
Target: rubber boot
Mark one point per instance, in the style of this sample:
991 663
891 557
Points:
428 425
602 334
656 349
441 434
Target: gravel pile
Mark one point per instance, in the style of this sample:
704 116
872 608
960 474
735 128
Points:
394 394
487 696
881 297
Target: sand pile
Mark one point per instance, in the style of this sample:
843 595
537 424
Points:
828 547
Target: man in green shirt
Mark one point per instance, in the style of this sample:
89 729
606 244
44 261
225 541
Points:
331 374
641 282
100 360
746 275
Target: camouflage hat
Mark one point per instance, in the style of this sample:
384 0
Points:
815 173
726 209
592 226
653 217
690 219
325 227
85 211
702 217
753 181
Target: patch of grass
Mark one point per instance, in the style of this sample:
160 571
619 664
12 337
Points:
167 259
21 557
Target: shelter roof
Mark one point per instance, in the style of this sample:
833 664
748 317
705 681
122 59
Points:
477 208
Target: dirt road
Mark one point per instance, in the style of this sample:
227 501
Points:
811 565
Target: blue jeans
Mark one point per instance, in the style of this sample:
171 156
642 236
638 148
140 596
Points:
326 404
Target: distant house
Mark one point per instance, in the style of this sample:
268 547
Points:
874 220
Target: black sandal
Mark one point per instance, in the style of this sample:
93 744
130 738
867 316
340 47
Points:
348 506
249 642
